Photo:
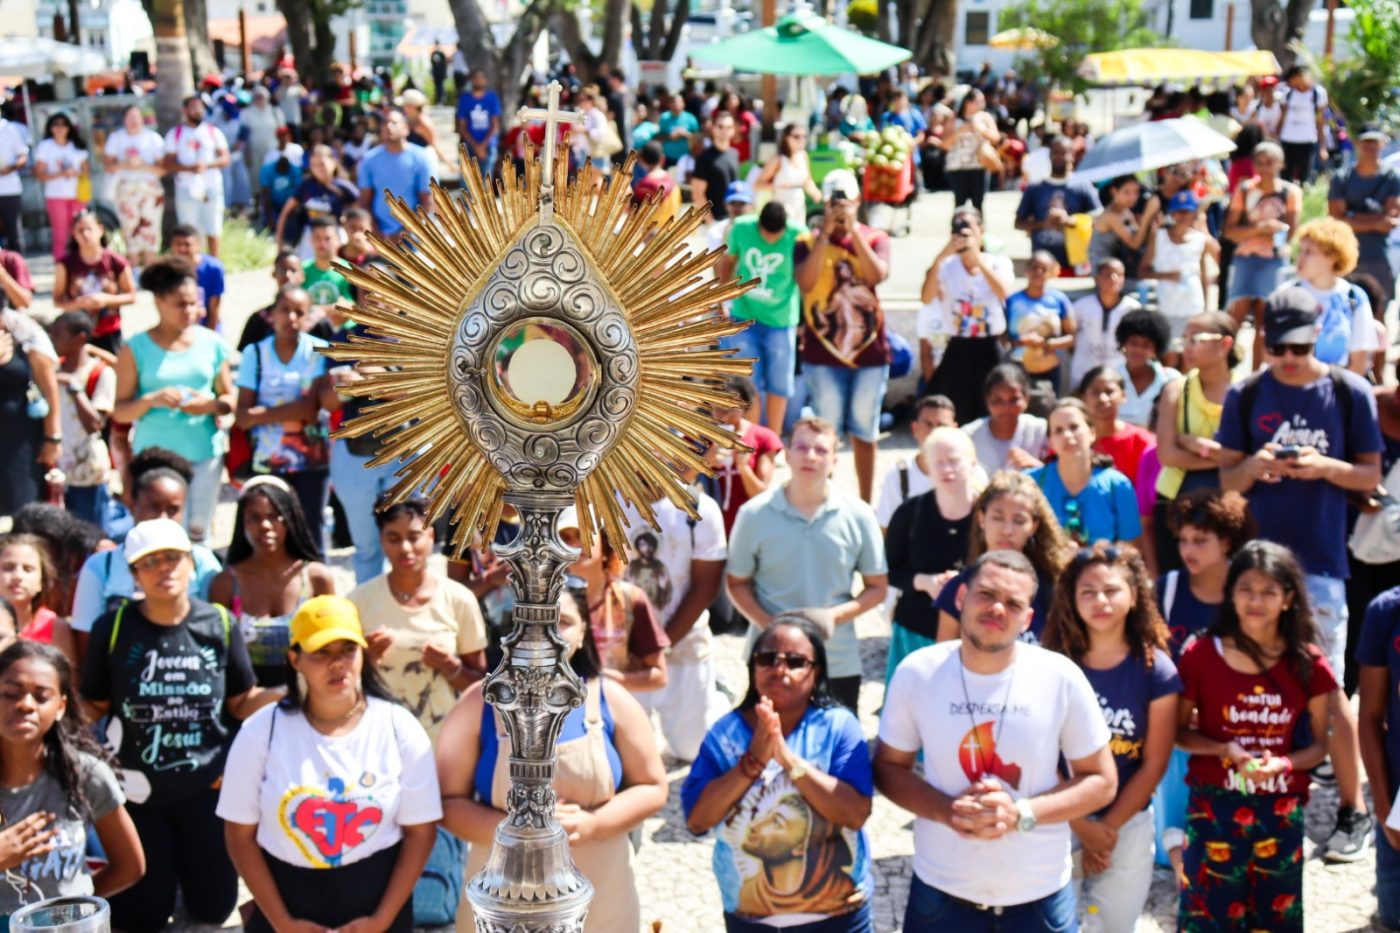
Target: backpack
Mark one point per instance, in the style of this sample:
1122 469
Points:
1376 537
121 611
1249 392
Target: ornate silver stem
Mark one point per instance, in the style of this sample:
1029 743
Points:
530 883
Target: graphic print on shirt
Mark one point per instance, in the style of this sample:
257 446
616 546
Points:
1293 430
1258 720
1126 741
850 319
46 875
170 735
328 823
977 749
760 265
790 859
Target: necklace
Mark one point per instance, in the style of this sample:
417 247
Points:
404 597
337 723
981 759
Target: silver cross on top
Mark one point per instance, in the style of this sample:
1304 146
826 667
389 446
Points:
552 117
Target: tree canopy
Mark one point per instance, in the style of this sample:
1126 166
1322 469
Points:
1083 27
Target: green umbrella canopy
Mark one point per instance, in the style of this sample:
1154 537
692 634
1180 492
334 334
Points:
803 44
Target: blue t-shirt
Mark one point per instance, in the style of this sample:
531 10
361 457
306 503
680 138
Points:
278 185
478 112
1188 615
209 279
1075 197
1308 516
1105 509
773 822
1380 647
277 448
406 174
1040 606
676 149
1045 315
575 727
1125 692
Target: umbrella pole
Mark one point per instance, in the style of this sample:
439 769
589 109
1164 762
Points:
769 85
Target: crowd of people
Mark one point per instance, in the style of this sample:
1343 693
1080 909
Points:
1132 586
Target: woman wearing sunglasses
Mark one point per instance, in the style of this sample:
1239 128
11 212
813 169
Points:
785 782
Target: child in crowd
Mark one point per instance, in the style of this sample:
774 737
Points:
56 787
1176 258
1102 392
323 282
1096 318
358 249
1328 250
1012 514
26 574
1144 337
286 271
208 272
1105 620
1248 686
1040 324
90 391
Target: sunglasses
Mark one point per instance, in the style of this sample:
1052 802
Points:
1110 554
1291 349
793 662
1200 340
159 561
1074 523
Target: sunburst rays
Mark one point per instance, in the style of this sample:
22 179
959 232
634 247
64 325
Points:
413 304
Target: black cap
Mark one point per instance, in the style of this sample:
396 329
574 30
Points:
1290 316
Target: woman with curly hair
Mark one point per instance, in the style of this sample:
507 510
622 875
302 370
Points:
1246 690
1327 251
1105 620
56 785
1011 514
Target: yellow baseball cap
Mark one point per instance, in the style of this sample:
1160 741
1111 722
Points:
324 619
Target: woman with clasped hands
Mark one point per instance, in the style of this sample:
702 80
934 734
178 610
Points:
785 783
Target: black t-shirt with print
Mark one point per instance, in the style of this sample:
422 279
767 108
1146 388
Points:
167 685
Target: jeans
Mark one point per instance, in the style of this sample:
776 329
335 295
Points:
1120 891
11 210
849 398
1298 161
203 497
358 487
1387 881
88 503
931 910
774 354
1328 597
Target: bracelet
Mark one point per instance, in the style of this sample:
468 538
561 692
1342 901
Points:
745 760
1287 765
53 439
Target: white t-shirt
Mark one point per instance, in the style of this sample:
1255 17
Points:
1186 297
1300 114
1266 115
292 96
12 147
145 145
1095 343
194 144
1339 297
998 727
322 802
891 492
56 158
969 307
659 562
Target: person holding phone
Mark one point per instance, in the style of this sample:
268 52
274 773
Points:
964 295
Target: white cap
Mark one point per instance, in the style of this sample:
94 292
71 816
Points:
569 519
158 534
841 181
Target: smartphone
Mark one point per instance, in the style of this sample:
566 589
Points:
1287 452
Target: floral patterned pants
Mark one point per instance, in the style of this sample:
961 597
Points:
1243 862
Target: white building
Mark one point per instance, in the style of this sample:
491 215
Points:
1193 24
115 28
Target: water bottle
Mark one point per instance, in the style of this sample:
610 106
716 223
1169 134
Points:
54 481
1281 242
1093 922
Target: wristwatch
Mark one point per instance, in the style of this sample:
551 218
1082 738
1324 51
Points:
1027 821
54 439
797 771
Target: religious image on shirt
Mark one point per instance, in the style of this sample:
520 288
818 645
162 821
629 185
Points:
978 757
790 859
177 703
647 571
328 823
849 320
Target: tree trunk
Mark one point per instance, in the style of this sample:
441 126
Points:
1275 27
565 27
679 16
477 43
882 25
937 37
323 42
298 18
614 30
197 31
176 82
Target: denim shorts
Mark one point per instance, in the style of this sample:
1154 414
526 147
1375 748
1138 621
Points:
774 354
849 398
1254 276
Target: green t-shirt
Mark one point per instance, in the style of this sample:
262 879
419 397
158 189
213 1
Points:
325 286
676 149
774 301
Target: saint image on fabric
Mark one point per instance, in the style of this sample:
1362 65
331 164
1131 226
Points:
647 571
790 858
849 320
